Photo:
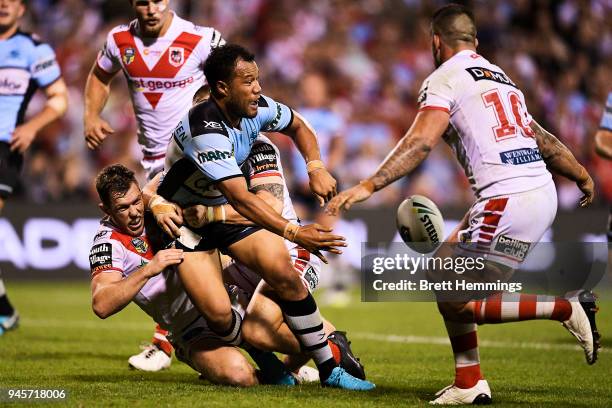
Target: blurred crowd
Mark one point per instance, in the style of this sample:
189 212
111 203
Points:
354 68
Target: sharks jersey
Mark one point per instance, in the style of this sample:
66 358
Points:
205 150
25 65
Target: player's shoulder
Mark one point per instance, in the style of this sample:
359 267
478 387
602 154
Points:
203 31
123 28
206 118
29 41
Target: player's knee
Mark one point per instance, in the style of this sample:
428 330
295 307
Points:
236 374
285 281
220 318
255 334
456 311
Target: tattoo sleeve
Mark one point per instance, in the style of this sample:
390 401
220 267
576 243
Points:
404 158
276 190
557 156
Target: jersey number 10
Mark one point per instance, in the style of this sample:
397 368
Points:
506 128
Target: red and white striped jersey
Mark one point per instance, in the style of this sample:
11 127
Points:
163 74
163 297
489 125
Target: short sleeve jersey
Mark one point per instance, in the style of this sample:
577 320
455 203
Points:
206 150
489 125
162 297
163 74
606 119
26 64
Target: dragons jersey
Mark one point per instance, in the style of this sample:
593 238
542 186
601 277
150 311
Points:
489 125
205 150
163 296
606 119
163 74
25 65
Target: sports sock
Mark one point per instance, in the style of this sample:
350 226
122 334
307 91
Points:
233 335
304 320
270 366
161 341
464 341
514 307
6 309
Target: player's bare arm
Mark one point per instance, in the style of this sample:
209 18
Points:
560 160
410 151
313 237
603 143
97 89
111 292
55 107
322 184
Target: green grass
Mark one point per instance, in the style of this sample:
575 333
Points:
61 344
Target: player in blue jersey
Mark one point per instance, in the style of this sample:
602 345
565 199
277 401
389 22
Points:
603 144
26 64
203 160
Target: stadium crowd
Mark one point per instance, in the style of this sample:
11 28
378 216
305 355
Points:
365 59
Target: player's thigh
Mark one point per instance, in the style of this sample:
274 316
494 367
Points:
222 364
201 275
265 253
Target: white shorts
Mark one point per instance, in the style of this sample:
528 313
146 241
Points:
153 165
306 264
504 227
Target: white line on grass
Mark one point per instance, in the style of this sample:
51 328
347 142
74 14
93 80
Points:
388 338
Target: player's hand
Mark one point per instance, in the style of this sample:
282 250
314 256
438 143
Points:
316 238
22 137
347 198
196 215
96 130
323 185
168 215
587 186
163 259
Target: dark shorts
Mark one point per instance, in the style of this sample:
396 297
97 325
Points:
10 168
218 236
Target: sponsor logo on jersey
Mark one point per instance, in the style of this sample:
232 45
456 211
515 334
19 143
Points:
179 134
101 257
43 65
176 56
275 122
512 247
212 125
140 245
8 86
128 55
140 84
423 94
520 156
101 234
479 74
311 277
213 155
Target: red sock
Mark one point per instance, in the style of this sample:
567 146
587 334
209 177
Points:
514 307
161 341
464 341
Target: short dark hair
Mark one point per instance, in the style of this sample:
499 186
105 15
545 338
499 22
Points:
446 23
114 181
201 94
222 61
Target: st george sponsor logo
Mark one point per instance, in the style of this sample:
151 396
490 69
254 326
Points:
141 84
479 74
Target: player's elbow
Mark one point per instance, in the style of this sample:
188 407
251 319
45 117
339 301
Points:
100 308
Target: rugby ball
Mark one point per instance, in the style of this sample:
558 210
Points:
420 223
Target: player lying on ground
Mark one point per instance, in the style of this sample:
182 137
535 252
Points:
505 154
26 64
264 320
124 268
203 160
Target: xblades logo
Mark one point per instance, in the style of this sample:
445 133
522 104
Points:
212 125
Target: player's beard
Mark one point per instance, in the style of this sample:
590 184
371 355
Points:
436 55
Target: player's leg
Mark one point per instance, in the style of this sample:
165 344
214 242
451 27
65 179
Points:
201 275
10 167
222 364
266 254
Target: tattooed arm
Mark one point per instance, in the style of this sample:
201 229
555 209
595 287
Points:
199 215
559 159
411 150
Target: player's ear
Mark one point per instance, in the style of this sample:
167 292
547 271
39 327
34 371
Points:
223 88
103 208
476 42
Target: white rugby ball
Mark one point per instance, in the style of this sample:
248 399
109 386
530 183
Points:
420 223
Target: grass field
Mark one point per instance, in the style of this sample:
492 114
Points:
61 344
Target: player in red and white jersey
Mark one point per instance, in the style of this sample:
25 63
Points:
506 155
161 56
